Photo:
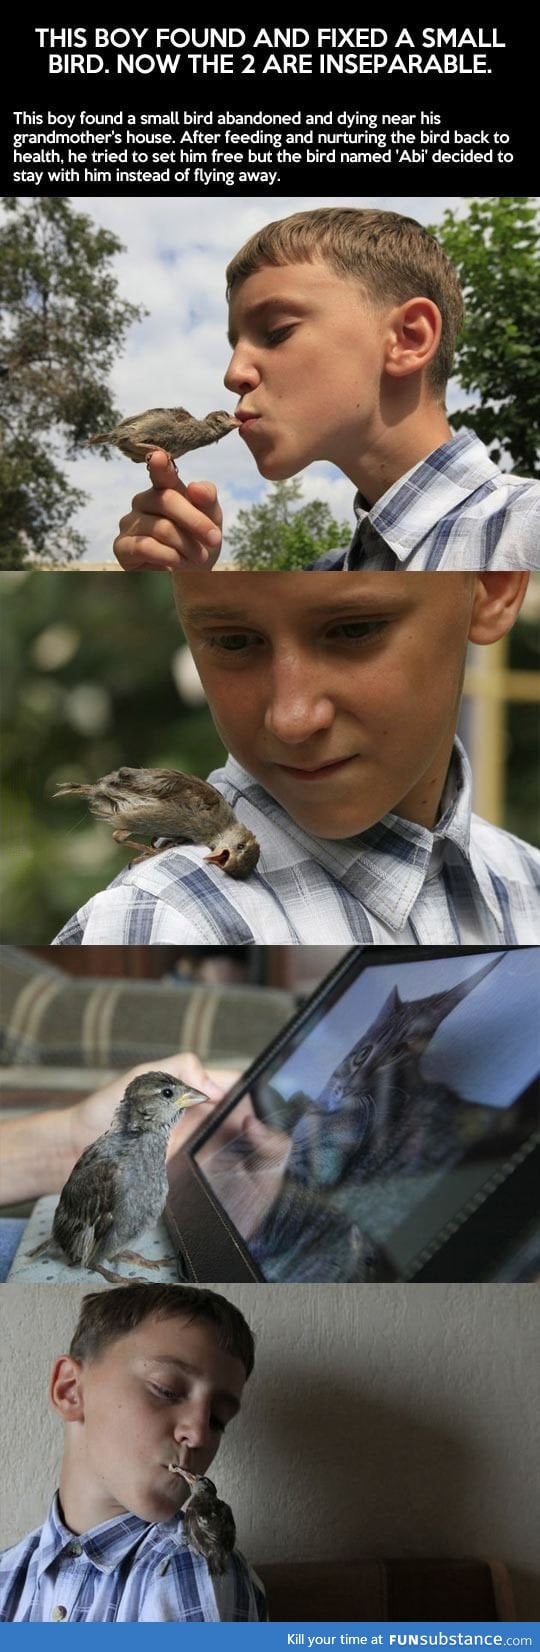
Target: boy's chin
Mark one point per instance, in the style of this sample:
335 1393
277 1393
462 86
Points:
156 1506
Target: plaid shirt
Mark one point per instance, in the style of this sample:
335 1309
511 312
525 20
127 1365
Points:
398 882
453 510
124 1571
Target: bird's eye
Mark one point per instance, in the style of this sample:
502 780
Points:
168 1093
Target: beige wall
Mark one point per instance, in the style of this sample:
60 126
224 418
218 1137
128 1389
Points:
387 1420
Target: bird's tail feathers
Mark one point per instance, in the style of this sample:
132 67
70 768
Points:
48 1247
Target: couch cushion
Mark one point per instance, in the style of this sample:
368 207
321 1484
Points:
394 1591
49 1017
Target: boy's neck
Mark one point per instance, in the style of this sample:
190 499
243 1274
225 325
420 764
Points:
394 450
80 1509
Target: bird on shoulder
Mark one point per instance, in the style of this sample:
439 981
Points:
209 1523
173 807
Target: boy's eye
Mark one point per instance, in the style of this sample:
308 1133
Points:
234 641
217 1423
275 335
358 630
163 1393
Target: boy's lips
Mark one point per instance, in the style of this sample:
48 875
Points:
246 420
323 772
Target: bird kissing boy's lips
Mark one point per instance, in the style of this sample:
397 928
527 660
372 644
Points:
246 420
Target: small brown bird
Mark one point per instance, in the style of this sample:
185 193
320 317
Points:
208 1521
164 803
118 1188
171 428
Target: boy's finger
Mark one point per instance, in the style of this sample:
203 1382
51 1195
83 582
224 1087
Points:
204 496
162 472
141 552
147 508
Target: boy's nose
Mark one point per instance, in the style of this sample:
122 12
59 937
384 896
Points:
192 1427
242 374
298 706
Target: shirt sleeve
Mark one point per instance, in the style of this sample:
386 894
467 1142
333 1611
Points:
128 916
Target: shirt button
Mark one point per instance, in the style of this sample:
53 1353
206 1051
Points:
75 1548
58 1614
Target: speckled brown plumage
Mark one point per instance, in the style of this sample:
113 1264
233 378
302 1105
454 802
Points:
164 803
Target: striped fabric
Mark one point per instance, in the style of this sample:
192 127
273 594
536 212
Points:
453 510
398 882
50 1020
124 1571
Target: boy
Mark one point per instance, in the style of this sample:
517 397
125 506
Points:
153 1376
343 326
338 708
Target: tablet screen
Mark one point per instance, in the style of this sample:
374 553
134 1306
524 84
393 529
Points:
399 1102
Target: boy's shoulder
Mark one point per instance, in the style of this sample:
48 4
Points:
17 1570
512 856
22 1550
181 1587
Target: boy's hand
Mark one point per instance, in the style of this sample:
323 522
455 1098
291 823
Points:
170 526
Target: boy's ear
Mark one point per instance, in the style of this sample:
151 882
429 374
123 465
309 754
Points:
65 1389
496 604
413 337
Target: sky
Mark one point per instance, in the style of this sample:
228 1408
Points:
176 252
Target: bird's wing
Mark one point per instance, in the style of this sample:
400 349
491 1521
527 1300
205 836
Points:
149 413
85 1211
193 793
227 1525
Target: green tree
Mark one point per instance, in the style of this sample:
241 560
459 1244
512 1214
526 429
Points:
278 534
62 323
495 250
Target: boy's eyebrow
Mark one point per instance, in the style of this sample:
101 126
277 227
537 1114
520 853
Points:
195 1371
280 302
369 602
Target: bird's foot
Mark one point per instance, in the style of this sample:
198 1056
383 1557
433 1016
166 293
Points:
115 1278
128 842
142 1261
151 449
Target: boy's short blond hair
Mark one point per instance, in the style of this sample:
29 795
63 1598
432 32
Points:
392 256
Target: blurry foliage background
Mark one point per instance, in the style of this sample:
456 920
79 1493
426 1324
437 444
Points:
96 674
87 685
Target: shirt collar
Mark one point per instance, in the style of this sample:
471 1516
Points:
105 1546
409 511
387 866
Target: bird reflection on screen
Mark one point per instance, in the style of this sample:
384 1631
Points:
318 1184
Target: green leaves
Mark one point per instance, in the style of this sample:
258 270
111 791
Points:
280 534
495 250
62 325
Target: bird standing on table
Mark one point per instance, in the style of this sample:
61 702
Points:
171 428
118 1188
208 1521
163 803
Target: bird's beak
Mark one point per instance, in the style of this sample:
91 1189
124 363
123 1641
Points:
188 1097
219 859
72 786
191 1478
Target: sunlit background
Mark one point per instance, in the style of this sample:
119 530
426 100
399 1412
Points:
96 674
176 252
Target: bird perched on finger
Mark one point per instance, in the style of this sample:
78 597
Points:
118 1188
171 428
164 803
208 1522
